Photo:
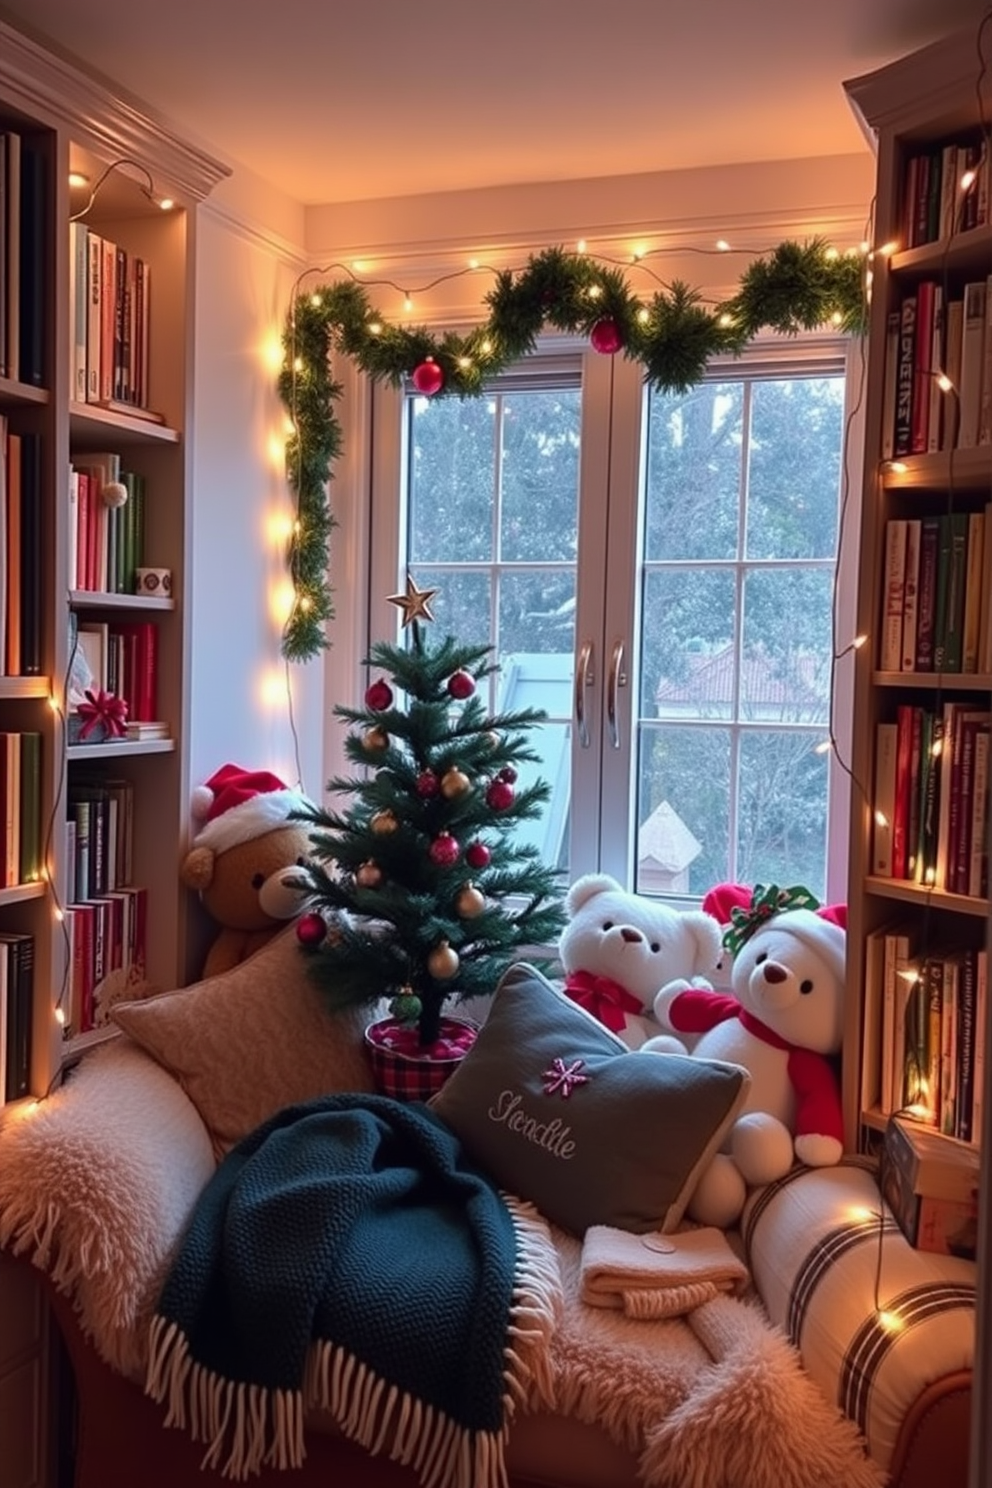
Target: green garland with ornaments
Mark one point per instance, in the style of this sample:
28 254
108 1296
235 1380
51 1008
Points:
795 287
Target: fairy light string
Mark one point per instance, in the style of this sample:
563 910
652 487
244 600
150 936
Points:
673 334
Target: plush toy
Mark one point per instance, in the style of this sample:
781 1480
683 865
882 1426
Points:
783 1023
619 948
247 861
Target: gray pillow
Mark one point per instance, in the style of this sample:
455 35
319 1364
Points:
558 1111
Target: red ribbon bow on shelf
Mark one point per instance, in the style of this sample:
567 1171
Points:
102 707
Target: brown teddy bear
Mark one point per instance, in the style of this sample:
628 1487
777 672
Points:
248 860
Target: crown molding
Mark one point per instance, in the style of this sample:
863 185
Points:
43 83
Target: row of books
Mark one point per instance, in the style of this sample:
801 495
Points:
21 552
23 187
106 914
931 338
16 1014
107 950
20 808
931 1186
937 593
106 540
926 1014
931 823
120 658
109 314
936 202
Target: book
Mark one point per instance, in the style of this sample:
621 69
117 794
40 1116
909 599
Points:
965 966
926 598
903 428
82 979
12 244
889 389
899 846
978 836
886 747
972 359
971 620
78 265
32 311
954 324
890 651
922 366
94 317
32 555
10 796
19 950
4 1012
898 981
876 1085
910 594
30 845
12 656
984 434
981 1019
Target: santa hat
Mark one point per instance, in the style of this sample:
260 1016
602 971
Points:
745 911
236 805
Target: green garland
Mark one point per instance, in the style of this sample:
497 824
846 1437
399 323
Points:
796 287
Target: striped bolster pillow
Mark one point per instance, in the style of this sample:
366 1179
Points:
875 1320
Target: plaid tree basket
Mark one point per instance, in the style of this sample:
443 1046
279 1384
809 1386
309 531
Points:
408 1070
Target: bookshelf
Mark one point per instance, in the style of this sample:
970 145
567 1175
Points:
920 821
61 119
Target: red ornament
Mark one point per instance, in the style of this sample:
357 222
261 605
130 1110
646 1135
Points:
461 685
428 378
508 773
427 784
444 850
500 795
379 696
310 929
605 337
477 855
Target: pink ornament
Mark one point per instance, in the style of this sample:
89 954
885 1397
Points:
378 696
427 784
605 337
461 685
477 855
500 795
444 850
428 378
310 929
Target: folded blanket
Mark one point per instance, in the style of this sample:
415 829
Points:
655 1275
348 1255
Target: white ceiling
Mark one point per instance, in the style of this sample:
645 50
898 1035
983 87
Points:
347 101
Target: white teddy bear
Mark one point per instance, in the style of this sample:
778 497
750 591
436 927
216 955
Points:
782 1023
618 949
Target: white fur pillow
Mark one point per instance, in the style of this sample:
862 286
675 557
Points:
252 1040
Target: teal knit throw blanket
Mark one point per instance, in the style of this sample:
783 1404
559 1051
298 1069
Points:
345 1254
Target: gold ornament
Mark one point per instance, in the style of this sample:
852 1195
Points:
443 962
375 740
368 875
382 822
415 603
454 783
470 902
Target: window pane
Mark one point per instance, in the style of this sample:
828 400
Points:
694 472
785 674
462 606
537 611
687 652
540 476
450 493
683 809
782 809
794 468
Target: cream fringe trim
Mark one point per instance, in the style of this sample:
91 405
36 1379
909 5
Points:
247 1427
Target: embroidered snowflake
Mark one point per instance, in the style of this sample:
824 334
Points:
561 1079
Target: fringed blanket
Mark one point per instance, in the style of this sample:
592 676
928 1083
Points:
347 1255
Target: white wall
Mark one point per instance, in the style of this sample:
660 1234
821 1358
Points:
244 700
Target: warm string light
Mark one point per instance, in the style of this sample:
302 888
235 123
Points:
126 165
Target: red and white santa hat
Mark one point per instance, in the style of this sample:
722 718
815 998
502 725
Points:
743 911
236 805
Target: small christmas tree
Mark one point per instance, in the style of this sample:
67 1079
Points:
424 889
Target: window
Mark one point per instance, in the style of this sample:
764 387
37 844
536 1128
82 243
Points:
657 572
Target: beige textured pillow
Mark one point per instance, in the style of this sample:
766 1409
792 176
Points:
252 1040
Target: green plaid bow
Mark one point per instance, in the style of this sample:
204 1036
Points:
765 902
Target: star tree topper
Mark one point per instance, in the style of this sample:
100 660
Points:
415 603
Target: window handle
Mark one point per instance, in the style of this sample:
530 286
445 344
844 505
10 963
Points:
618 679
584 677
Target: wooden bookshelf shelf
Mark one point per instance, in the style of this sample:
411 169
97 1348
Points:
918 894
90 422
935 681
